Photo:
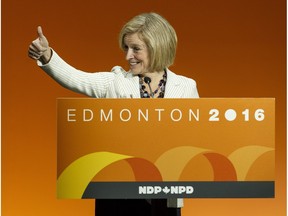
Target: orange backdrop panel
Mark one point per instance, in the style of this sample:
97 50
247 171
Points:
148 130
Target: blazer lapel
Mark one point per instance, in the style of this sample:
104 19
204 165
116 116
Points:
173 89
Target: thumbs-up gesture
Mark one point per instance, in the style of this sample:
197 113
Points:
39 49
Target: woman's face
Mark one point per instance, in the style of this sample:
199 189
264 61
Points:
136 54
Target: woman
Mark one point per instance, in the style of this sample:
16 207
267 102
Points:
149 43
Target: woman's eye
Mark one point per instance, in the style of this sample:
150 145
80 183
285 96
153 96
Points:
136 49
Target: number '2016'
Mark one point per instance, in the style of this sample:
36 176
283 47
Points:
231 115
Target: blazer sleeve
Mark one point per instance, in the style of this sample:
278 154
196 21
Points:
90 84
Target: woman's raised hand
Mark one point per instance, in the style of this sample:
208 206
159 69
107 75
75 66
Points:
39 49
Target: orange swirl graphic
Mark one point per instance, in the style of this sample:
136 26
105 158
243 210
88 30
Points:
141 167
222 167
244 157
74 179
172 162
168 167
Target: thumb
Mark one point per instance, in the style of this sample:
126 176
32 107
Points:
40 32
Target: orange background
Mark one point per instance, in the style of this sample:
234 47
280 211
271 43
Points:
231 48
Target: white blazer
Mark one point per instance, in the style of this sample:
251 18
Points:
115 84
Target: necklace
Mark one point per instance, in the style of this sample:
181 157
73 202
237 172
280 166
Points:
161 87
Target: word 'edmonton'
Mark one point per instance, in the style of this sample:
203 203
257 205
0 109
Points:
175 115
125 115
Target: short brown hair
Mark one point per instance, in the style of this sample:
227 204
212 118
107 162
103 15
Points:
158 35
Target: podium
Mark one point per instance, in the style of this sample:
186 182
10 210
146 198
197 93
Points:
165 148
